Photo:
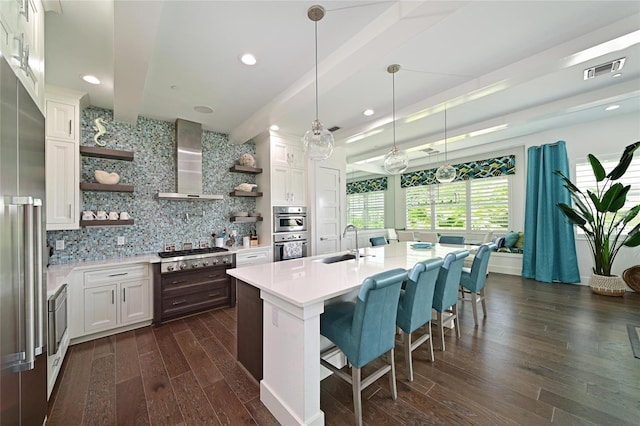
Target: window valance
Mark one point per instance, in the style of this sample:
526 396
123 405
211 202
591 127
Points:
368 185
491 167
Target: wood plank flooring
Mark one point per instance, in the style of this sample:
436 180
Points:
546 353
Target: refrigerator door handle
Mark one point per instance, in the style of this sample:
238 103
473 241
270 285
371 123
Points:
39 299
26 203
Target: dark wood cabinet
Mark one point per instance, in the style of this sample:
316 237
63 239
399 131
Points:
249 335
183 293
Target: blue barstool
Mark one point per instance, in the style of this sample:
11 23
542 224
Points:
414 307
378 241
445 297
451 239
473 280
365 330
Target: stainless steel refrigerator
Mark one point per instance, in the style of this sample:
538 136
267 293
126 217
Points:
23 379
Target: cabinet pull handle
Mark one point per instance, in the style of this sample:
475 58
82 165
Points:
113 300
179 282
323 238
251 257
118 275
69 127
56 361
24 9
213 276
178 302
20 56
213 294
69 210
124 295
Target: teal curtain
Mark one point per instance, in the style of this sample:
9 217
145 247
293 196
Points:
549 245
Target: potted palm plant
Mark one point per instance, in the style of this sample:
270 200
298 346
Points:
601 214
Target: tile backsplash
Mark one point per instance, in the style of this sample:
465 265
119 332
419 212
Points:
156 222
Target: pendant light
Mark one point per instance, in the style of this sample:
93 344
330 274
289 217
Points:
396 161
445 173
318 142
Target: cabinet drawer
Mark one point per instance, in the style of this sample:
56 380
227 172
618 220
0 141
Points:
250 257
198 288
208 296
116 274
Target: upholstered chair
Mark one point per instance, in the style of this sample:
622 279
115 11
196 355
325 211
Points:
428 237
445 297
414 308
473 279
405 236
451 239
378 241
364 330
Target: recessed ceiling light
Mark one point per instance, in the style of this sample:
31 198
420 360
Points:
203 109
368 112
91 79
612 107
248 59
618 74
274 127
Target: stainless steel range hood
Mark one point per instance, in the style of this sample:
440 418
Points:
188 156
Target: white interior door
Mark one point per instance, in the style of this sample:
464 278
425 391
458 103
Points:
328 210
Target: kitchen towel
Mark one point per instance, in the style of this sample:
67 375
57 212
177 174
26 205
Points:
292 250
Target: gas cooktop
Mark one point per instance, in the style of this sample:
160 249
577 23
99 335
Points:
181 253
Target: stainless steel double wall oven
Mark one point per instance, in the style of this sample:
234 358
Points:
290 232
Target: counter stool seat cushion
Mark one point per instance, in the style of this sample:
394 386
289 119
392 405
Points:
378 241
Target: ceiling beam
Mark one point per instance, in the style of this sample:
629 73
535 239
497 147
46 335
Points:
135 28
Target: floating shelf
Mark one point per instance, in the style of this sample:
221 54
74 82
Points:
246 169
112 154
88 186
246 219
245 194
106 222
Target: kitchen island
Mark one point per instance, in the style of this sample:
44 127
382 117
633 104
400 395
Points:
293 296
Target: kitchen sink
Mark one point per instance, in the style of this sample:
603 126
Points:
340 258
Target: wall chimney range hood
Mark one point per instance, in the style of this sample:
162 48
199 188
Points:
188 156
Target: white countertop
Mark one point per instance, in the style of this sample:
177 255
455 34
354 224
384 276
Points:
306 281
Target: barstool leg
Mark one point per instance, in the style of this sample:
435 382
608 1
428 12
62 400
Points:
454 309
484 306
392 375
474 303
441 330
357 396
406 342
430 342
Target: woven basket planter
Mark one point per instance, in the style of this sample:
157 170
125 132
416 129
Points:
632 277
607 286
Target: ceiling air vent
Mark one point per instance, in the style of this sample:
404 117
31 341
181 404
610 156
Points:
333 129
609 67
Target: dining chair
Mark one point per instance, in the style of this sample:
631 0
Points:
451 239
473 279
445 297
364 330
428 237
378 241
414 308
405 236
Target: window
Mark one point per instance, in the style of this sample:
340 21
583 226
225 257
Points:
366 210
475 204
585 180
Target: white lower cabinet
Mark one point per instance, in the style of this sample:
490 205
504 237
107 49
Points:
112 299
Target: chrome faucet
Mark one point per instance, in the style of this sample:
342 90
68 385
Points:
344 234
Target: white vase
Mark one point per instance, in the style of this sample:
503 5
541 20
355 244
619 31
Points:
607 286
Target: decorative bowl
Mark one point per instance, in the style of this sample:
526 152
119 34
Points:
247 160
106 178
240 214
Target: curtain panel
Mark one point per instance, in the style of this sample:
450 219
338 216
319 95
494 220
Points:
368 185
549 248
491 167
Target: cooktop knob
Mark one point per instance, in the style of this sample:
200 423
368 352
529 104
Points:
215 261
183 266
194 265
205 263
225 260
170 268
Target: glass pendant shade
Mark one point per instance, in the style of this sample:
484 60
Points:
318 142
446 173
396 161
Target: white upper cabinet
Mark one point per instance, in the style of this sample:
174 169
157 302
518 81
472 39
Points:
61 120
22 43
288 174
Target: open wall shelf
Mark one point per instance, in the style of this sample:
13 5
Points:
245 169
246 219
106 222
245 194
89 186
112 154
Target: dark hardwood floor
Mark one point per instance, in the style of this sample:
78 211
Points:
546 353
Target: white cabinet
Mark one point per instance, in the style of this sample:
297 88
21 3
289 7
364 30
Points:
62 124
253 256
62 184
61 120
112 298
288 174
22 23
